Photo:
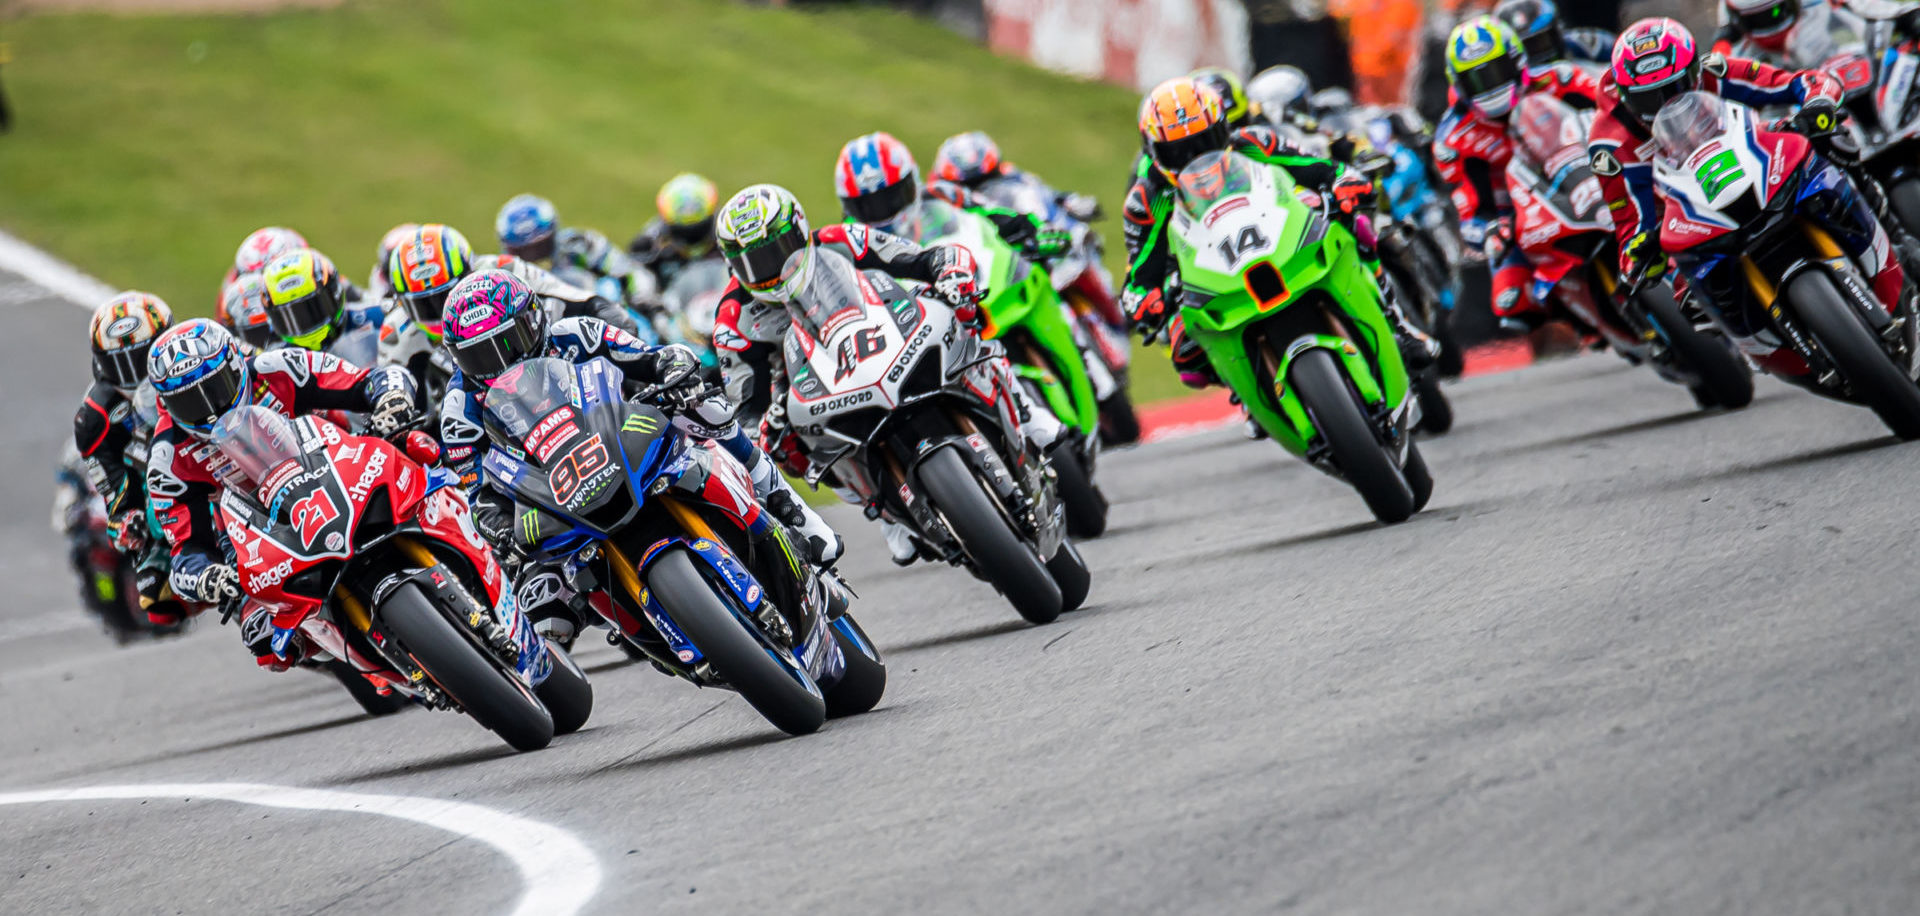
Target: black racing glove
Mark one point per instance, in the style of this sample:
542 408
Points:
1819 117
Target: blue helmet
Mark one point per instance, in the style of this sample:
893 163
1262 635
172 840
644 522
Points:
1537 22
526 227
199 373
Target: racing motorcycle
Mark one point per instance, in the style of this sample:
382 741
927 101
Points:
109 579
1083 283
1567 235
1756 215
1884 100
893 401
1024 313
693 302
366 554
661 531
1273 288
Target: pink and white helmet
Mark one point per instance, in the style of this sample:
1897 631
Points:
1654 61
263 245
492 321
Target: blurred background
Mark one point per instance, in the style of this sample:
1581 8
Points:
149 136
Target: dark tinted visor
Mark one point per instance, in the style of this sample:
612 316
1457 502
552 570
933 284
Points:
427 310
1645 103
1494 74
198 405
1174 155
302 316
485 357
883 205
759 267
1545 46
537 250
692 234
259 336
1771 21
122 368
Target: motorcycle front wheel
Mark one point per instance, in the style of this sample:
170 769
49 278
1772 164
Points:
1844 337
989 539
1725 380
1358 453
492 696
773 689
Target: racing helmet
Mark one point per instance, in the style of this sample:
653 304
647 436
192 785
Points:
243 309
1654 62
423 270
493 321
759 229
304 302
687 203
263 245
1278 90
967 159
1181 120
1232 92
878 182
527 227
1486 65
1769 23
123 329
199 373
1537 22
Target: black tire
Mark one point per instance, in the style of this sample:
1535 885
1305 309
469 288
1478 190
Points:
1086 506
1119 422
738 654
1903 198
1330 400
1436 412
1725 379
1069 571
363 692
565 693
865 680
1452 360
1419 479
1844 337
493 697
997 551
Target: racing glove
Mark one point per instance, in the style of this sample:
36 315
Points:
391 390
956 280
216 582
256 633
128 531
673 363
1819 117
1080 206
1490 240
1146 309
1353 194
1641 260
1050 243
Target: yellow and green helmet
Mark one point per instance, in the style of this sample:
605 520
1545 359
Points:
1487 65
304 302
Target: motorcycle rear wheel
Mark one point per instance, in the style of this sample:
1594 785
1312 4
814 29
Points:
1844 337
749 667
989 539
1364 462
1086 506
492 696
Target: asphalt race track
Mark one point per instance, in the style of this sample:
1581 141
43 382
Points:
1633 659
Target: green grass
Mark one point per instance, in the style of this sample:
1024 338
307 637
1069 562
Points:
145 148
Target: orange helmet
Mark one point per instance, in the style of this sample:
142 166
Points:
1179 121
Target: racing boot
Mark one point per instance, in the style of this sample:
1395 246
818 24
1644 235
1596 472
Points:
779 496
900 542
1037 424
552 606
1418 348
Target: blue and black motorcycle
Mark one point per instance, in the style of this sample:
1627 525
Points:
661 531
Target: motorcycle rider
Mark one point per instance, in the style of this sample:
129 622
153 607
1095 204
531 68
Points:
1283 93
379 284
1655 61
493 322
259 247
111 425
423 268
1239 109
529 229
879 185
1547 41
1179 122
761 229
200 372
966 161
308 306
243 309
683 232
1489 72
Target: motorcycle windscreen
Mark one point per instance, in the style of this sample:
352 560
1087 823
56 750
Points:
1211 178
262 447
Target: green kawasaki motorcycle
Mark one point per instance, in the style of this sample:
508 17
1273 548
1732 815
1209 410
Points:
1275 292
1024 313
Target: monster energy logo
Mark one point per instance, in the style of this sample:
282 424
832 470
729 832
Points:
640 423
530 526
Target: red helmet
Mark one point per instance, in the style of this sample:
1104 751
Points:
1767 23
877 181
263 245
967 158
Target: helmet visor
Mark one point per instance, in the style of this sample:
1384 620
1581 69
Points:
1499 74
759 265
690 235
882 205
303 316
427 309
483 358
197 405
1545 46
1645 102
1173 155
122 368
1771 21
